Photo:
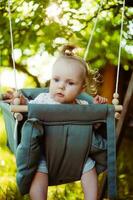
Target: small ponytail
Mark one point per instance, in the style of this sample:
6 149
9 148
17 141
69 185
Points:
68 50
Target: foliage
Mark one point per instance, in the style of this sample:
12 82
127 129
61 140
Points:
36 29
124 165
70 191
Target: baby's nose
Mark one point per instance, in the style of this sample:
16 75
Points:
62 85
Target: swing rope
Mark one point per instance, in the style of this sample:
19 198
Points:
18 116
12 44
92 32
120 46
115 100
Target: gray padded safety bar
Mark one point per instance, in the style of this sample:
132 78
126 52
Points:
90 113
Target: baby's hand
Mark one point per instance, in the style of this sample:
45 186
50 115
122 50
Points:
8 96
100 100
15 98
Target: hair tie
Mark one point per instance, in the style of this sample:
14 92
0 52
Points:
68 50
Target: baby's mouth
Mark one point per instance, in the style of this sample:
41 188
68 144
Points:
59 94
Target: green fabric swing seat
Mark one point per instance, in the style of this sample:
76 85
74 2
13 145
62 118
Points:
65 134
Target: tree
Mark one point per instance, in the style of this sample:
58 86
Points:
46 25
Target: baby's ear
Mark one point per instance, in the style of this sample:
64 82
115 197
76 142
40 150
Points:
84 88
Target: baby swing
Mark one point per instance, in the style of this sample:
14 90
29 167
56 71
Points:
65 133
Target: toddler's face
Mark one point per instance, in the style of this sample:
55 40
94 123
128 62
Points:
67 81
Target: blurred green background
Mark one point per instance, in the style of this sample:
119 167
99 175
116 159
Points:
40 28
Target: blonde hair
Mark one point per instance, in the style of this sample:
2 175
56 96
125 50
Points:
91 83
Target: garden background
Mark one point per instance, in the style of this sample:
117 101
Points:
40 28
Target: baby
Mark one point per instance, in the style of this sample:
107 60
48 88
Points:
70 77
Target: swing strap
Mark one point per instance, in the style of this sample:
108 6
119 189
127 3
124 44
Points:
9 125
111 153
56 116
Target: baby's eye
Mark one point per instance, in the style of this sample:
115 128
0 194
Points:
56 79
71 83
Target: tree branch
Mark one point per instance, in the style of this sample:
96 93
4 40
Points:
23 69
